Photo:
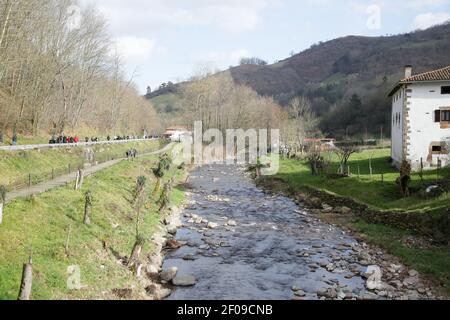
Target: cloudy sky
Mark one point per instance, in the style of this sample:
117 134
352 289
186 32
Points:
168 40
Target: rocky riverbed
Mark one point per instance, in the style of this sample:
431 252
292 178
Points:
238 242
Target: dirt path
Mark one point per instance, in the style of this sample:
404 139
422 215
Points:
65 179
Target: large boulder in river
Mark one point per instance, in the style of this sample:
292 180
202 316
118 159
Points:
169 274
184 281
374 275
212 225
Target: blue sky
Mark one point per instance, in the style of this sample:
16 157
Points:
170 40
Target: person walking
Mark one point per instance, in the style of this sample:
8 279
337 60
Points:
14 139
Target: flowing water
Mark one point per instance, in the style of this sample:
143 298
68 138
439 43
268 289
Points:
274 246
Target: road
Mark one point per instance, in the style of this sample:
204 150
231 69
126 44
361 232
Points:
65 179
66 145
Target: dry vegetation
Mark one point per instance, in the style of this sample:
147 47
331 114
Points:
59 73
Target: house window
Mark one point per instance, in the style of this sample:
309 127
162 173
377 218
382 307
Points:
445 115
437 149
445 90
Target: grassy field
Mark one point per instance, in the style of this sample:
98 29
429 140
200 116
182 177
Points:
43 223
378 191
16 166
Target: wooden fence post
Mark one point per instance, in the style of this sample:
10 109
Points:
68 240
29 180
1 211
27 281
79 180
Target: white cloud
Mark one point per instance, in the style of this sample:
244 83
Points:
227 15
221 60
426 20
135 48
426 3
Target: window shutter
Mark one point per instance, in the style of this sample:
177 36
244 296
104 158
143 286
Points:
437 116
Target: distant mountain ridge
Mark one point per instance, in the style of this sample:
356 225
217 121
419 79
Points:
330 73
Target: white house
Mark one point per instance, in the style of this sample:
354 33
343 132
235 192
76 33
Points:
176 133
421 118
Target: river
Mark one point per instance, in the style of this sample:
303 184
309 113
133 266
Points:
271 248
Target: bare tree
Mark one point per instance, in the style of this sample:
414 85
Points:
344 150
57 77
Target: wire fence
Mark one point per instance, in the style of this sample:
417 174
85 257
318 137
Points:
30 179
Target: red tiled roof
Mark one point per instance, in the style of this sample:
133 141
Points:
435 75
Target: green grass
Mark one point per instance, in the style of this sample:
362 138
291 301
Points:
16 166
432 262
42 223
376 191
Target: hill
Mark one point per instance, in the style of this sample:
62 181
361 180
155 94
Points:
347 77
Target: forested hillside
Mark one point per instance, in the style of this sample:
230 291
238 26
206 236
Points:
347 79
60 72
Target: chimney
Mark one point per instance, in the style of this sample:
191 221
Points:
408 71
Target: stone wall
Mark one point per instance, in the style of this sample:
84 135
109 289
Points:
423 223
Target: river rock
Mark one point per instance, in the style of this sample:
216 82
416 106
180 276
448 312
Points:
326 208
374 275
169 274
172 230
198 220
152 269
300 293
343 210
189 257
184 281
173 244
213 225
231 223
330 267
163 293
328 294
413 273
411 281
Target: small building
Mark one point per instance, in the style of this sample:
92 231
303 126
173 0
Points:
325 144
176 133
421 119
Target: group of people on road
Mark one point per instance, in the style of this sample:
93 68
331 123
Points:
75 139
64 139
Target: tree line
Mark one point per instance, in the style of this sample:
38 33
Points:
60 71
222 104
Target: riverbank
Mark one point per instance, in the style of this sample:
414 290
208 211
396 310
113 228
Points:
414 229
50 226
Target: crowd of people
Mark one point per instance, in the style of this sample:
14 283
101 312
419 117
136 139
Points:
64 139
76 139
